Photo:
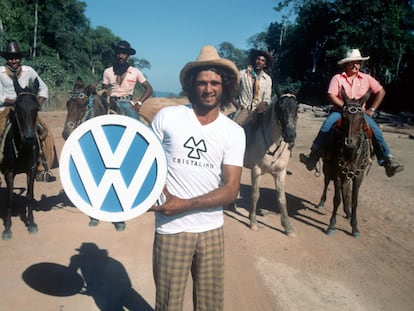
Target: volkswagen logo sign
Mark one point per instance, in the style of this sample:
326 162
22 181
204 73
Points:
113 168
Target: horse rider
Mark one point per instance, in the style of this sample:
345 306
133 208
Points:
356 84
255 90
25 75
120 80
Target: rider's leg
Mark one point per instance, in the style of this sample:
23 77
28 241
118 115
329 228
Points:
321 140
382 151
126 108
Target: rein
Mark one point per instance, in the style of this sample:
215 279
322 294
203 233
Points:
89 112
365 140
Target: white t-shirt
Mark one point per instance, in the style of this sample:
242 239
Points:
195 156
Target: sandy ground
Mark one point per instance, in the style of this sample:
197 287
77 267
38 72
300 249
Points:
264 269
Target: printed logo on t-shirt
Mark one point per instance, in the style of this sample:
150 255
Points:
195 148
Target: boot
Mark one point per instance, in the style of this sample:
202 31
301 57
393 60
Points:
392 166
311 159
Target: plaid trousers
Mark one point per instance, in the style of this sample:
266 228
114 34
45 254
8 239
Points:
175 255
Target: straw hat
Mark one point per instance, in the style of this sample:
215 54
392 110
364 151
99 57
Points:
209 57
351 56
124 47
13 50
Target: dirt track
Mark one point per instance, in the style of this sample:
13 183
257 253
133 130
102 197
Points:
265 270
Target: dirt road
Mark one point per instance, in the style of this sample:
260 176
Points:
265 270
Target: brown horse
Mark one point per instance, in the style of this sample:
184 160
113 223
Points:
83 104
20 152
347 160
268 150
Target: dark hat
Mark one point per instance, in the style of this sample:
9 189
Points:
209 57
89 248
256 53
13 50
124 47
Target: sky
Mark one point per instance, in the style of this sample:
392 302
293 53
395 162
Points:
170 33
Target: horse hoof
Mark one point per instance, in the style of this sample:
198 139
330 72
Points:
291 234
93 223
254 227
330 232
119 226
356 234
6 236
32 229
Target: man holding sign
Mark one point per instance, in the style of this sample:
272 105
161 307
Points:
204 151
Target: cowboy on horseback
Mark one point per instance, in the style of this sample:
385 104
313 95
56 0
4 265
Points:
25 75
120 80
255 86
356 84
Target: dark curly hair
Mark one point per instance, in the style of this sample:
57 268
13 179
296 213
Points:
229 84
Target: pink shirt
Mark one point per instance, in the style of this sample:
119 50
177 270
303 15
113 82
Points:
355 89
127 85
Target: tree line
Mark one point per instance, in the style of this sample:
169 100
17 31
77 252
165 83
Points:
306 42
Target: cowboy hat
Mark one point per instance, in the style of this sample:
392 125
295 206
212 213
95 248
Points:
209 57
123 46
13 50
253 54
351 56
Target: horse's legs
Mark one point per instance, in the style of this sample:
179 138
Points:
355 194
255 194
336 202
31 225
7 233
347 197
281 200
321 204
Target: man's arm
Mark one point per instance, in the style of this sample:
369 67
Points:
223 195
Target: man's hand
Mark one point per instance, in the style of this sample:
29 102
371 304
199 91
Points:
262 107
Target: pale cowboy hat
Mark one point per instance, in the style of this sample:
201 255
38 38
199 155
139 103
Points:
208 57
124 47
352 56
13 50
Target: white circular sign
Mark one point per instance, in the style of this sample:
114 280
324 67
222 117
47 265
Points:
113 168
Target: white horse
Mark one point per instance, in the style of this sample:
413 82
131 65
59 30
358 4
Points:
270 140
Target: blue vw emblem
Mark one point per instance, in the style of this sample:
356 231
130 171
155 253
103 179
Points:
113 168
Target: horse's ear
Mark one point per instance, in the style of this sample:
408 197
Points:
345 97
16 85
365 98
78 83
91 89
35 87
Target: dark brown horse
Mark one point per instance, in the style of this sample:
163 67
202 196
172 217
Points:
20 152
347 161
83 104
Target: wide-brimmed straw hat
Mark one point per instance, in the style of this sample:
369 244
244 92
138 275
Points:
253 54
123 47
209 57
352 56
13 50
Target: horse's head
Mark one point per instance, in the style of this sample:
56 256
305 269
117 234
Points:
26 109
286 110
353 121
77 106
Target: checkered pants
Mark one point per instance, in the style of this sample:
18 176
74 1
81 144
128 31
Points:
175 255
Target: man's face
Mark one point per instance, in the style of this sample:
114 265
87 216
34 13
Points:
208 86
122 57
353 67
13 61
260 63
